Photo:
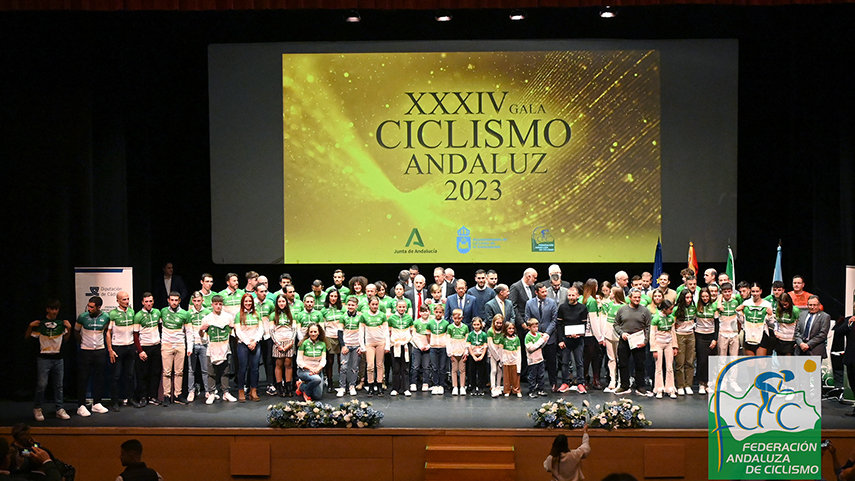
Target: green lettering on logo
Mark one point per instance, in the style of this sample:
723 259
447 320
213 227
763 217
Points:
418 241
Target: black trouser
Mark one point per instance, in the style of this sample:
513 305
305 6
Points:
123 368
591 357
702 347
624 354
850 374
550 358
148 373
400 373
234 361
476 373
267 360
217 373
90 362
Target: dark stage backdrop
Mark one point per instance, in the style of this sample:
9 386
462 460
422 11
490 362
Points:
104 141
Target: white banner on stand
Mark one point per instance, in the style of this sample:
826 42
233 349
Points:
105 282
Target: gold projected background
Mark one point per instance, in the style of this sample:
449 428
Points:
471 156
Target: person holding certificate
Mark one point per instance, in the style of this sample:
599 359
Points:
572 319
632 326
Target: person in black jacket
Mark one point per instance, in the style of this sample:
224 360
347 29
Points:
844 327
35 455
135 469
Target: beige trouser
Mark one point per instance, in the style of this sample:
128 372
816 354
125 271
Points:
375 352
458 366
685 371
665 353
611 352
172 355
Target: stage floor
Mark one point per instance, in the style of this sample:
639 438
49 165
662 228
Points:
421 411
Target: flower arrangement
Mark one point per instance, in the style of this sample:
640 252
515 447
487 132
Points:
311 414
618 414
559 414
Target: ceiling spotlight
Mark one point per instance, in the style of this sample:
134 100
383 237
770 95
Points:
352 16
443 16
517 14
607 12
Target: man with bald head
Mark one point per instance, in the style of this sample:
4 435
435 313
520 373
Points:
520 292
120 346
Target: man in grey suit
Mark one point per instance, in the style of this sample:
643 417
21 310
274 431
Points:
417 294
812 330
499 305
556 290
545 310
519 294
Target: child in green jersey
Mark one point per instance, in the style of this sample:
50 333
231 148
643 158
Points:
511 360
495 349
663 345
283 333
437 328
420 353
456 350
476 363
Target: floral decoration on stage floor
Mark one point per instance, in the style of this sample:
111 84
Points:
620 414
311 414
611 415
559 414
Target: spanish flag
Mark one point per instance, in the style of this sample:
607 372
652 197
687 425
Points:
693 261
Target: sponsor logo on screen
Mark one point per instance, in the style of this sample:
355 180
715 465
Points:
764 418
415 245
542 240
415 239
464 241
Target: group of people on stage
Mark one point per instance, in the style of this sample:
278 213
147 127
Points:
471 340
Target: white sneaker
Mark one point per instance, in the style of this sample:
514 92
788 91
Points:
658 394
681 392
702 389
191 396
339 392
407 393
463 391
209 398
228 397
393 393
413 387
61 414
424 387
672 394
496 392
519 394
455 392
100 409
507 394
38 414
573 388
441 390
83 412
689 391
610 388
352 391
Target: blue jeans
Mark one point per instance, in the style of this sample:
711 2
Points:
573 348
200 355
248 361
438 361
535 376
419 365
348 373
313 384
49 369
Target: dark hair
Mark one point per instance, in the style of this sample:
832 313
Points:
742 284
206 275
682 306
97 301
175 294
414 267
217 298
691 277
251 275
778 284
230 275
539 286
755 284
381 285
362 281
781 310
52 303
337 301
559 447
284 276
18 430
635 278
132 446
726 285
321 336
617 293
480 271
505 327
701 303
589 290
277 312
491 271
798 276
317 283
146 294
665 305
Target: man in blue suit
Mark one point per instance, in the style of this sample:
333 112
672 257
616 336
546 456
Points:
463 301
545 310
499 305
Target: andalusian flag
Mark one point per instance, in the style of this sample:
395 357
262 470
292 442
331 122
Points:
778 275
693 260
729 269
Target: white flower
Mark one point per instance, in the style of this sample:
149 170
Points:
635 408
360 424
542 410
363 406
641 416
316 410
597 406
347 417
301 415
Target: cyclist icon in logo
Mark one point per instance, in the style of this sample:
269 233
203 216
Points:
769 391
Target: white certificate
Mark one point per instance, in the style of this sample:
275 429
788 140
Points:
574 330
635 339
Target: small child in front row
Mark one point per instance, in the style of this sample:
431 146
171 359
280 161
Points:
494 348
511 360
476 363
534 342
420 357
458 352
437 328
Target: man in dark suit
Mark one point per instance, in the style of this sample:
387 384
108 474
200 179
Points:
554 269
545 310
417 294
520 292
812 330
461 300
499 305
450 284
846 329
162 286
556 290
